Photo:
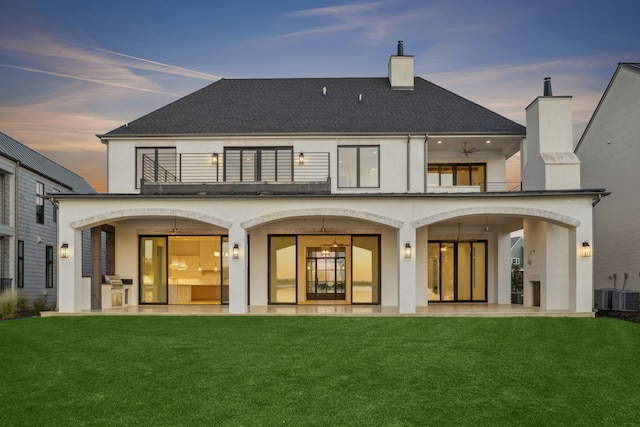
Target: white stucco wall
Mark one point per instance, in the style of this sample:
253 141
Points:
396 219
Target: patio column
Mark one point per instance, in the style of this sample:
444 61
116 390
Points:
580 270
238 284
504 269
70 292
407 269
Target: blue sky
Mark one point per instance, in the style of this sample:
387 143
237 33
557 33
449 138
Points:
70 69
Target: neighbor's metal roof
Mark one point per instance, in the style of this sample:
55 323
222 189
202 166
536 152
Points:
42 165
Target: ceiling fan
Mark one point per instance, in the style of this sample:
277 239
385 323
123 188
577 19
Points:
467 151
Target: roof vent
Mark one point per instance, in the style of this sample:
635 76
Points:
547 87
400 48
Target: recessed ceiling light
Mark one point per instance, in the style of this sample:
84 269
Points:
488 141
439 142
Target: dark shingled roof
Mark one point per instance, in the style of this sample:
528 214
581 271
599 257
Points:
289 106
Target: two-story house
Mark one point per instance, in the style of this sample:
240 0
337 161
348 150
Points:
28 221
609 150
381 191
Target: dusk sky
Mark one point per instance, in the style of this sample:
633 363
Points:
71 69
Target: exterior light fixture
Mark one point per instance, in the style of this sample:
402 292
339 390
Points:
407 250
586 249
236 251
214 158
301 158
64 250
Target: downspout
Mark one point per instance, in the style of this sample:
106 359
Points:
425 163
594 202
408 163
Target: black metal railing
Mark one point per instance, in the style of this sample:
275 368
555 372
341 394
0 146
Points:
205 168
502 186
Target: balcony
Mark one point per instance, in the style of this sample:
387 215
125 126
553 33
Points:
246 172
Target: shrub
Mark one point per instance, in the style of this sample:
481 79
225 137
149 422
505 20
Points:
40 304
8 303
22 303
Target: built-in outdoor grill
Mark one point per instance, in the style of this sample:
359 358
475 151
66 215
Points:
117 291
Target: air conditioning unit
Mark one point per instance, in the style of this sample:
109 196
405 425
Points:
603 298
625 300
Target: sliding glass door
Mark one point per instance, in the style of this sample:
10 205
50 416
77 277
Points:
457 271
184 270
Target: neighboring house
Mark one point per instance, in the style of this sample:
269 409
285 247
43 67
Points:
29 221
384 191
609 150
517 251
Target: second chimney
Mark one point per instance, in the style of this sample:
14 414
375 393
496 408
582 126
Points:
547 87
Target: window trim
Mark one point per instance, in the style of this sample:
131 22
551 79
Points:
258 162
40 203
20 265
358 171
455 167
48 267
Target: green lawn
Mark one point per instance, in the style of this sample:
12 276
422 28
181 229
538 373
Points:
74 371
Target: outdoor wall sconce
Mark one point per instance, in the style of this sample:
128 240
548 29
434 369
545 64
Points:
214 158
407 250
586 249
301 158
236 251
64 250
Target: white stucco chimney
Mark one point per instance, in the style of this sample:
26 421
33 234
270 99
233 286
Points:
401 70
548 160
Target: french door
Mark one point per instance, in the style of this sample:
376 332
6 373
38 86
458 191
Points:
326 273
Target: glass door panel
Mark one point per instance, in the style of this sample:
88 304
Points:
464 272
463 175
433 281
225 270
365 269
282 271
153 270
479 278
447 275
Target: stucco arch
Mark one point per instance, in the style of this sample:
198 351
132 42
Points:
350 213
148 212
554 217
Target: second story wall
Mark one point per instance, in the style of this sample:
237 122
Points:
354 164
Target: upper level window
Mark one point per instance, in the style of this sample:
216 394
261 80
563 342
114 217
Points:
39 203
156 164
359 166
456 174
268 164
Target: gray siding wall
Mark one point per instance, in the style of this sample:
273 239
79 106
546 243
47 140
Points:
36 238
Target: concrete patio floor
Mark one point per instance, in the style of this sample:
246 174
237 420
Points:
433 310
